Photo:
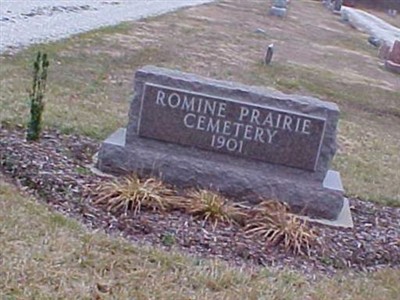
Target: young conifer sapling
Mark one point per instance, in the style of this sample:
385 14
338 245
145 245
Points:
36 96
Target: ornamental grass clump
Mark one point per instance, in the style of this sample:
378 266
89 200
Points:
132 194
213 207
36 96
272 221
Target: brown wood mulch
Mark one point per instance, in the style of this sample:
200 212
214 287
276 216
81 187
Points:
55 170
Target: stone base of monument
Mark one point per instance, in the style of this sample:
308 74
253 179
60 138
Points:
344 219
277 11
239 179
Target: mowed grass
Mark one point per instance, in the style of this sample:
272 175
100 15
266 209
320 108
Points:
47 256
91 77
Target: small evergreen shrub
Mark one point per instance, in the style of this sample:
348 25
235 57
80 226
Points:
36 96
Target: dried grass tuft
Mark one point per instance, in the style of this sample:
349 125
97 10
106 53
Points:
272 221
213 207
132 193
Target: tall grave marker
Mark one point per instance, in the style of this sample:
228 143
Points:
246 142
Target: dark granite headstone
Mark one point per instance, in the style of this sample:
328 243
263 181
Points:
392 62
338 5
394 54
384 51
278 8
268 54
246 142
280 3
278 11
374 41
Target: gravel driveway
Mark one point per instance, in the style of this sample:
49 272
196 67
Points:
25 22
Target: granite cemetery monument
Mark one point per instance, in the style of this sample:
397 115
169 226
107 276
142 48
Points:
392 61
268 54
337 5
278 8
245 142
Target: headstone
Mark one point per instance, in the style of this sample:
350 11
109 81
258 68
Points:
337 5
344 16
384 51
374 41
260 30
268 54
392 62
278 8
392 12
277 11
246 142
280 3
394 54
331 5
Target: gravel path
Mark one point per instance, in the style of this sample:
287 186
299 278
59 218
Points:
372 25
25 22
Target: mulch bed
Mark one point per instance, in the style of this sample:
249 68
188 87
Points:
55 169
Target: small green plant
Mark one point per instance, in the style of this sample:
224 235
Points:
36 96
168 239
132 193
82 170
